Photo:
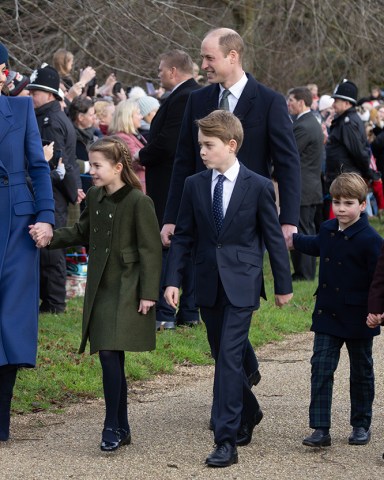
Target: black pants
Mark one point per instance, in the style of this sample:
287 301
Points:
7 382
305 265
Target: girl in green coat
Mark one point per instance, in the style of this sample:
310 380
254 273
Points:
120 227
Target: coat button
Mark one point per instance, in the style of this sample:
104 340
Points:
333 315
337 289
95 229
319 312
109 233
346 238
326 259
107 250
110 215
93 247
339 263
97 212
5 180
332 234
324 285
219 245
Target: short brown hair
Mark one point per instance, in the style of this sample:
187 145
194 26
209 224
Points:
178 59
229 40
349 185
302 93
223 125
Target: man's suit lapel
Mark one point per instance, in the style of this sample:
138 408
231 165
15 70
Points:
239 191
247 98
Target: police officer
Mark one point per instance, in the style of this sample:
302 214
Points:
347 148
55 126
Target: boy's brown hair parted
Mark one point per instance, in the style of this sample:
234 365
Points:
115 150
223 125
349 185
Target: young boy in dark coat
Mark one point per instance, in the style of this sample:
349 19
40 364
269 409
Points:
227 214
348 248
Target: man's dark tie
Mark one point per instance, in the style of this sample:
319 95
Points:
224 103
217 204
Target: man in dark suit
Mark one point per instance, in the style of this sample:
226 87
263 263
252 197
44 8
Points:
268 137
310 143
227 214
176 75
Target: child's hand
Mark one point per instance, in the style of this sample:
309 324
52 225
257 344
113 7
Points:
374 319
171 296
281 300
145 306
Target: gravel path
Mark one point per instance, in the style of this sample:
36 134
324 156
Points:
169 420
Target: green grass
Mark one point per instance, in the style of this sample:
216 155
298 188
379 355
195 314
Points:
63 376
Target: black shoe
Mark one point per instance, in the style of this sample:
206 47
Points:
224 455
359 436
244 435
254 378
319 438
187 323
125 436
165 326
113 442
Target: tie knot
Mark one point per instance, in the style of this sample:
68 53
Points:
220 178
226 93
224 102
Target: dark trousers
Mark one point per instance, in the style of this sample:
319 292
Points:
325 358
188 311
233 400
53 273
304 266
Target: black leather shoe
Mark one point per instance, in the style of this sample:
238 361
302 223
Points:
224 455
254 378
244 435
187 323
110 445
318 439
125 437
359 436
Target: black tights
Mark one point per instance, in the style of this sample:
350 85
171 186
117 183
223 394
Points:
115 389
7 382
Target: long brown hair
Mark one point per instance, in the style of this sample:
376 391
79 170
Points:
115 151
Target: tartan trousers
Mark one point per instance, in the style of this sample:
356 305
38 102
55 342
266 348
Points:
324 361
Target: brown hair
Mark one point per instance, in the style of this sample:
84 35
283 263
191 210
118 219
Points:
349 185
302 93
229 40
223 125
116 151
60 59
178 59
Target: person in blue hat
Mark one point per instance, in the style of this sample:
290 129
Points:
21 156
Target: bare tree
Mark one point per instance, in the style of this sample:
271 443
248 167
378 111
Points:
289 42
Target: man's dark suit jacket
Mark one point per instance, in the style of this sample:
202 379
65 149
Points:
310 143
268 138
159 153
236 254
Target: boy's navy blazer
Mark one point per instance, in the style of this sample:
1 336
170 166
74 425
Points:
347 262
236 254
268 139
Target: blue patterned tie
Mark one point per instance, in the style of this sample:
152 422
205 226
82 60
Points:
217 204
224 102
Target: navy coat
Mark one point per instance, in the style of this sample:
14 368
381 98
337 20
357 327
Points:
268 142
21 154
347 262
236 254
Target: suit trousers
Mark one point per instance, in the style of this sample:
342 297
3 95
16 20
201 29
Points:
304 266
233 400
188 311
325 358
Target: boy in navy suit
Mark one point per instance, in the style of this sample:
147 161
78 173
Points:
348 248
227 214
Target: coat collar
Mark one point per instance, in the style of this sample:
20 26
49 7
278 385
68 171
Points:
240 189
6 117
115 197
333 225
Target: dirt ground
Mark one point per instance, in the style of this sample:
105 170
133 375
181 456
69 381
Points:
170 437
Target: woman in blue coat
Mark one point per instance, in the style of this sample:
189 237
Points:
21 156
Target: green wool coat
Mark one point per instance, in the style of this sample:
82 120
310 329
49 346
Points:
124 266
